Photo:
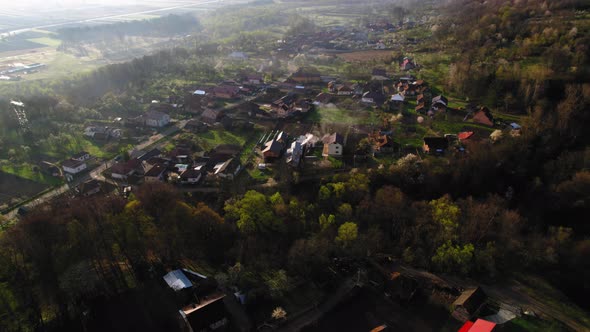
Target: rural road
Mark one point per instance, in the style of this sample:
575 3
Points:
96 173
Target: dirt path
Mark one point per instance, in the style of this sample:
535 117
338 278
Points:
547 306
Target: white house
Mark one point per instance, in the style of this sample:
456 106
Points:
156 119
333 145
398 98
73 166
81 156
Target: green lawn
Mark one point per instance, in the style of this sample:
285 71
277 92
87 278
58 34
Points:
27 171
48 41
342 116
213 138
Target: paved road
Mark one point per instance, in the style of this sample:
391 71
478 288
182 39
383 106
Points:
96 173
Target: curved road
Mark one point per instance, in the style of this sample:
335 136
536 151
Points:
95 173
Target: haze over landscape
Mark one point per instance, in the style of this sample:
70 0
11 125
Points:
293 165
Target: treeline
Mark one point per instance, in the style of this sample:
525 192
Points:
510 54
165 26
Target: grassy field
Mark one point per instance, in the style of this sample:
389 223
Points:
342 116
29 172
47 41
215 137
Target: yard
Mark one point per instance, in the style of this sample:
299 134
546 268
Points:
367 56
333 114
15 189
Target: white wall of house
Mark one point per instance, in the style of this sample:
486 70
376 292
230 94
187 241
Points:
334 149
158 122
82 158
75 170
120 176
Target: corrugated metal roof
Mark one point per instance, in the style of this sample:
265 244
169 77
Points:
177 280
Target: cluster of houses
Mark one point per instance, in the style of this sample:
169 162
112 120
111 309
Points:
276 145
203 305
102 132
182 165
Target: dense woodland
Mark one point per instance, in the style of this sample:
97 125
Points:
515 206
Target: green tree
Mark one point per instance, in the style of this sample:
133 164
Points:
277 283
347 233
453 258
447 213
326 221
254 214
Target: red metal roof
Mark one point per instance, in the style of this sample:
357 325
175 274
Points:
465 135
465 328
482 325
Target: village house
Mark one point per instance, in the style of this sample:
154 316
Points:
211 116
285 106
333 145
90 188
373 97
435 145
228 169
420 108
322 98
102 132
420 99
81 156
480 325
468 304
123 170
149 154
254 79
439 103
482 116
155 174
226 91
202 305
272 150
308 141
73 166
154 119
180 154
305 76
294 154
49 168
191 175
381 143
344 90
407 64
